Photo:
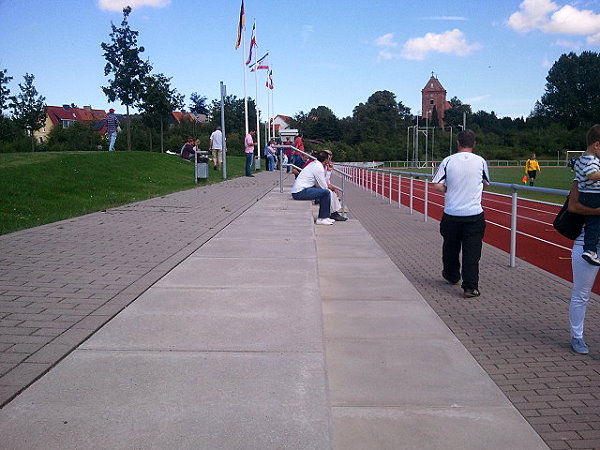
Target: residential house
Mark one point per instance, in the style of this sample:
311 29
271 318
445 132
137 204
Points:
176 117
66 115
281 122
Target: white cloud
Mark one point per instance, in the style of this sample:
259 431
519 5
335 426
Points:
478 99
533 14
594 40
450 42
546 63
307 32
118 5
568 20
386 54
387 40
567 44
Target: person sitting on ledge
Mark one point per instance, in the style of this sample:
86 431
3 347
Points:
312 185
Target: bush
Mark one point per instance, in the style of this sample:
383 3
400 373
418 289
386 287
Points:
21 144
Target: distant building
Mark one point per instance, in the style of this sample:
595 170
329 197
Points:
66 115
434 95
177 117
281 122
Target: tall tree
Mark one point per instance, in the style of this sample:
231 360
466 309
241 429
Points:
4 90
381 117
126 66
29 109
5 123
158 100
198 103
572 94
321 123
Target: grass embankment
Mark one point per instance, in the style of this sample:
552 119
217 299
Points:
39 188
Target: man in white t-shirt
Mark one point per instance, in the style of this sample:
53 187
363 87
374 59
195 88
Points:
216 146
312 185
462 177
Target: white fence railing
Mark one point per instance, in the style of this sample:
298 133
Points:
368 177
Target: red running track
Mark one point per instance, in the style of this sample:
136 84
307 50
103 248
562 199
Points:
537 241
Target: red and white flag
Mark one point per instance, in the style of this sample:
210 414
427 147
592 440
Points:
252 43
269 82
262 63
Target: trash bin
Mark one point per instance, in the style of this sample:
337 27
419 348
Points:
201 163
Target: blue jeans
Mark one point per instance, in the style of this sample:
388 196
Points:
112 137
270 162
249 160
323 195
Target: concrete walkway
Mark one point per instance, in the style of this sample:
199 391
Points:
272 334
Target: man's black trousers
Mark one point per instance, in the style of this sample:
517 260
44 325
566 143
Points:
462 233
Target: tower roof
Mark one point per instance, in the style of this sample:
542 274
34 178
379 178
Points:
433 85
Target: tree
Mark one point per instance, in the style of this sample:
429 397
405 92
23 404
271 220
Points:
4 90
29 109
435 120
321 123
572 94
381 122
158 100
454 116
126 66
234 114
198 104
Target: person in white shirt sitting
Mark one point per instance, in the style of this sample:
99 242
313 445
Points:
312 185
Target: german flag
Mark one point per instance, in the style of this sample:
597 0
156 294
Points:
241 26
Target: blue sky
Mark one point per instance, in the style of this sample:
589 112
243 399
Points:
492 54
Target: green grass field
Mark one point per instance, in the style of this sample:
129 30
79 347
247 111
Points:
39 188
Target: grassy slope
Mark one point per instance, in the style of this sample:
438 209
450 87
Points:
45 187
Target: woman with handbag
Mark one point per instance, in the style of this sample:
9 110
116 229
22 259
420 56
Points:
584 275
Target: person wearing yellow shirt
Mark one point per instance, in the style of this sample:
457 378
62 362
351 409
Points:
532 168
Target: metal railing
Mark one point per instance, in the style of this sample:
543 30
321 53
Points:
368 178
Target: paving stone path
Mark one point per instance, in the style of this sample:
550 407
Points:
517 330
61 282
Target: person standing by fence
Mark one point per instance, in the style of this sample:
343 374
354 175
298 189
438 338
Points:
462 177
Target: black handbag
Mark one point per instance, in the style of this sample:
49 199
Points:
567 223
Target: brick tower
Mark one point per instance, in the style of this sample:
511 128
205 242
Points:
434 94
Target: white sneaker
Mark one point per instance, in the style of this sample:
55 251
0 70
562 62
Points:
324 222
591 257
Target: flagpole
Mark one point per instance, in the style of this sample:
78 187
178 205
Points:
269 117
272 96
257 163
244 70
